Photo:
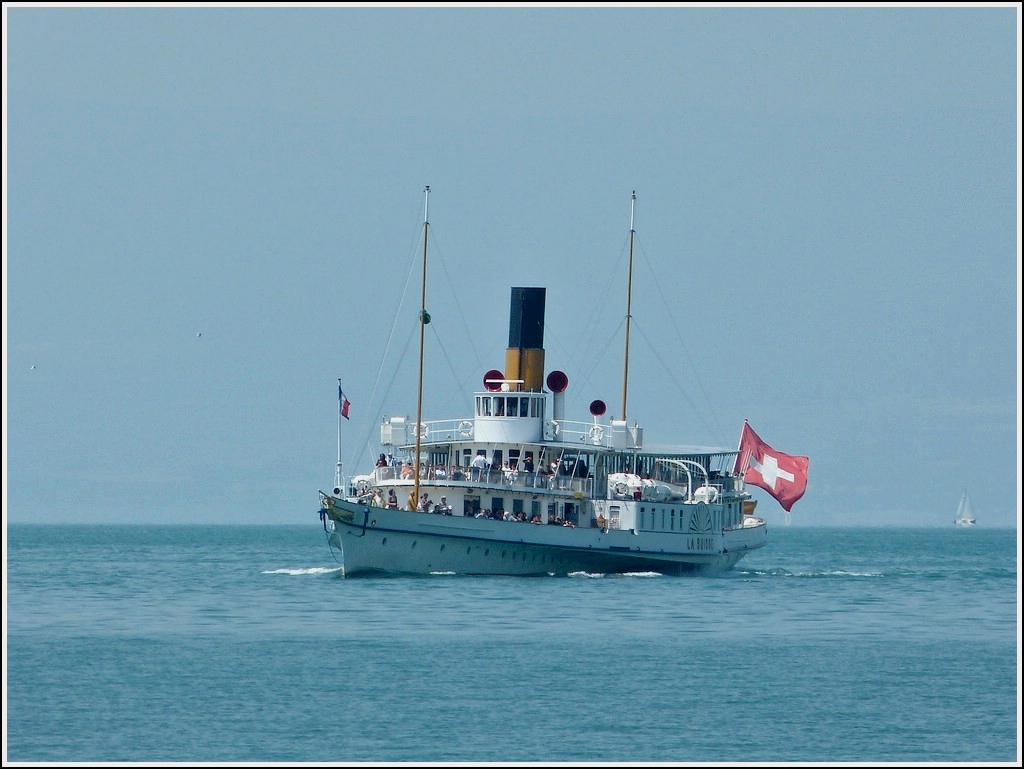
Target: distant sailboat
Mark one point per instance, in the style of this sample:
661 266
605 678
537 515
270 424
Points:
964 512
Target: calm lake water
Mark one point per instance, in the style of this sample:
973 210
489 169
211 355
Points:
244 644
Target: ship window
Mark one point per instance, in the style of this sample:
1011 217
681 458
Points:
499 407
524 407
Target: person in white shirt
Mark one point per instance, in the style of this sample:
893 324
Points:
479 465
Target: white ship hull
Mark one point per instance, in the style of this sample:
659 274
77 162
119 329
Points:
378 540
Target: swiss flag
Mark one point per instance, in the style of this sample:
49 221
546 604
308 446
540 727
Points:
784 476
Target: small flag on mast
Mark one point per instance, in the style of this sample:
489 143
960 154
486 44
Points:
343 403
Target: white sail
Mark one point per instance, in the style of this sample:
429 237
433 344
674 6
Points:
964 512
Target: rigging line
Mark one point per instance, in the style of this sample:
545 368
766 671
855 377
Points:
717 428
587 373
576 355
467 400
603 302
363 450
671 375
412 262
416 251
470 335
395 319
473 336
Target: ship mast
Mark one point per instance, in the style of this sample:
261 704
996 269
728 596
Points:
629 300
424 320
338 488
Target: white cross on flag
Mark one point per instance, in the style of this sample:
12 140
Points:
784 476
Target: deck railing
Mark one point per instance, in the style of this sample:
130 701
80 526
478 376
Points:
471 477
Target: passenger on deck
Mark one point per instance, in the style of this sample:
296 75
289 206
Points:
528 468
479 465
382 461
424 506
407 471
411 504
392 499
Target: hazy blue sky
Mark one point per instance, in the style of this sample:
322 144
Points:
827 243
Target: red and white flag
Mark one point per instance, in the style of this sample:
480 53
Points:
784 476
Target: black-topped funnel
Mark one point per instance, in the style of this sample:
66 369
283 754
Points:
524 358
